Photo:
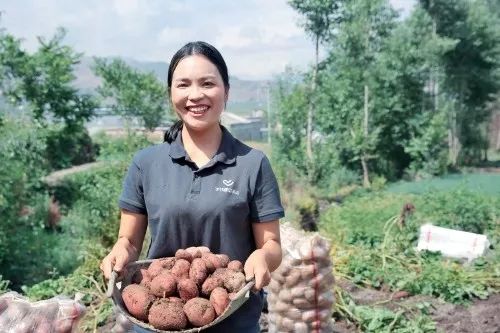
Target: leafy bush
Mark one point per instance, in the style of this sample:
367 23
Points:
23 202
119 148
461 209
68 146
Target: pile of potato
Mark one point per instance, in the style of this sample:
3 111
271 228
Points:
301 290
189 290
56 315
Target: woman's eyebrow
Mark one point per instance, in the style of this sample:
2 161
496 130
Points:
205 77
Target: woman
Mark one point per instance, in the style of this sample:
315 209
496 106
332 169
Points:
202 187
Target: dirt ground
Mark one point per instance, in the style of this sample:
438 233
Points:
483 316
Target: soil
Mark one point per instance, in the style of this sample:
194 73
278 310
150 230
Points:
481 316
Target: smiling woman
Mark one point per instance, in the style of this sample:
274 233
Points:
202 187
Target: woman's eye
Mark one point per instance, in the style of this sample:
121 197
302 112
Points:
208 84
181 85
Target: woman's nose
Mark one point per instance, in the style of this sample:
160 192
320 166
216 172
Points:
195 93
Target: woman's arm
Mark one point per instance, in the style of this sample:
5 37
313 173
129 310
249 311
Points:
129 244
267 257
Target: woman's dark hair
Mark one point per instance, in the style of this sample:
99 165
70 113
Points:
194 48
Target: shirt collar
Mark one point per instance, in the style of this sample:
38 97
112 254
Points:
224 154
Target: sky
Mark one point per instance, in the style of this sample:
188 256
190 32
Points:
258 38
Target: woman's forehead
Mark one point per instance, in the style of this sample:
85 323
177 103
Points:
195 66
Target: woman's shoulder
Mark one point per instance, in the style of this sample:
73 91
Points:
151 153
248 153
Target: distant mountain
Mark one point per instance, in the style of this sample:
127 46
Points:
245 95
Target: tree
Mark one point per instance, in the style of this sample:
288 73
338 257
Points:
320 17
470 70
352 66
43 80
42 83
134 94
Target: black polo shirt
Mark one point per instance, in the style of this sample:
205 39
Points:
212 206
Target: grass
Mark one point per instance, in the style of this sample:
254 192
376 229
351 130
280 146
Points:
486 183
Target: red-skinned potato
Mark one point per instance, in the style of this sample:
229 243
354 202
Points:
160 264
199 311
210 284
223 259
234 281
137 300
183 254
203 249
181 269
167 315
194 251
164 285
198 271
235 265
187 289
219 298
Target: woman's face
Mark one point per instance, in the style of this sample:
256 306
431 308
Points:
198 93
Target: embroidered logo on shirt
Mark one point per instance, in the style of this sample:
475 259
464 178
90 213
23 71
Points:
228 182
227 189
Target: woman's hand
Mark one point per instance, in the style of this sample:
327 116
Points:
122 253
256 267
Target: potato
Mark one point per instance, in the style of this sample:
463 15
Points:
301 303
198 271
211 261
203 249
281 306
234 281
176 299
137 300
183 254
157 265
181 269
139 275
187 289
292 279
287 324
219 299
164 285
167 315
274 286
300 327
311 315
293 313
194 251
199 311
235 265
285 295
223 259
221 273
210 284
308 271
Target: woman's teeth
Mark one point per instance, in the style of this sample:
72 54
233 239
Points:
198 109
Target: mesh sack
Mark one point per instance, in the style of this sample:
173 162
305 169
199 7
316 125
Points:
301 290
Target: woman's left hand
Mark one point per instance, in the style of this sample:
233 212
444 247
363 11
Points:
256 267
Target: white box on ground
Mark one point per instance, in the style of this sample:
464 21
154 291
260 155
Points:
452 243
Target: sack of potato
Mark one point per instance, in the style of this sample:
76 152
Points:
56 315
300 294
190 290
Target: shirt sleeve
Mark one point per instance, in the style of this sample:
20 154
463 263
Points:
266 202
132 196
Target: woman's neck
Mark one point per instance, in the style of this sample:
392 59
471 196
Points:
201 146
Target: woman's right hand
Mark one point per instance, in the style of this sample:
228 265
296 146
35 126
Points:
121 254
